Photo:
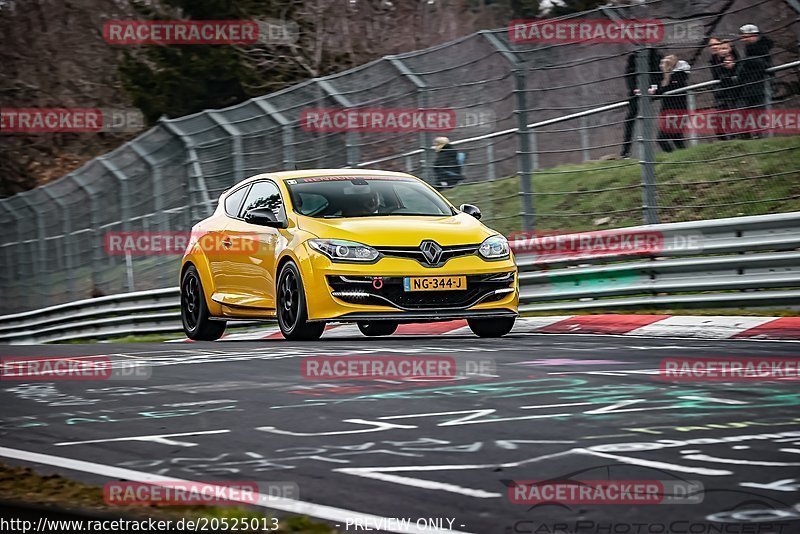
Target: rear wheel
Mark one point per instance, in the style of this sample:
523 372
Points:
292 312
377 328
196 319
495 327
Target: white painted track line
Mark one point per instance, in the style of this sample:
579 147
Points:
708 327
330 513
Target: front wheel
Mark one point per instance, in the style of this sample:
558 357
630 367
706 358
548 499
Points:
196 319
292 311
496 327
377 328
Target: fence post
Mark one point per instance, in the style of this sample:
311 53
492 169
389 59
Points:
527 151
39 259
584 131
125 210
491 172
691 104
158 185
491 175
287 133
68 240
768 100
236 145
425 141
15 268
196 171
99 240
646 138
350 137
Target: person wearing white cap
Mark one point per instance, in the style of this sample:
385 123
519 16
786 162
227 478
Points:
756 44
751 71
750 30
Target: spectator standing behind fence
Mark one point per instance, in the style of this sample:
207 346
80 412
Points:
724 60
752 69
446 168
631 80
676 76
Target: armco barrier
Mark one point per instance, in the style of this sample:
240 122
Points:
734 262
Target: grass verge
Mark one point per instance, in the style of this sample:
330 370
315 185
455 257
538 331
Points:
23 485
709 181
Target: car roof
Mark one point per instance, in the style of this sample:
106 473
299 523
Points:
286 175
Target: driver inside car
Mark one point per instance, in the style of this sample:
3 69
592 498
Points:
362 204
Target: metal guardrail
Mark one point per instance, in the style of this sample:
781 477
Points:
140 312
739 261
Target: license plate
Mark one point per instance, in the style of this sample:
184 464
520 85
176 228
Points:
434 283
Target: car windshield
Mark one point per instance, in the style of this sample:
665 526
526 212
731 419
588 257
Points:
364 196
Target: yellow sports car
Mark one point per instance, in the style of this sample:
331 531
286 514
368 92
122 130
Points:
373 247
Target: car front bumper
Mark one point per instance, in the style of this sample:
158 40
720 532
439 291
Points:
345 291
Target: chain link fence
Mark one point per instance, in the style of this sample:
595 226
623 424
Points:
549 158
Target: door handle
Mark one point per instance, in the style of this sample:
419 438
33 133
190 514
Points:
227 243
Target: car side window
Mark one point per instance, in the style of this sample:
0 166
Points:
264 195
234 201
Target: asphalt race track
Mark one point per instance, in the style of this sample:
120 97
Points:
554 407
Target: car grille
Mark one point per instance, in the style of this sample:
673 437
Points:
360 290
415 253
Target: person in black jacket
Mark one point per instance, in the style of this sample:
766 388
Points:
676 76
446 169
631 81
724 60
752 69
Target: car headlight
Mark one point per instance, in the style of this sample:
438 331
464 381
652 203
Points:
341 250
494 248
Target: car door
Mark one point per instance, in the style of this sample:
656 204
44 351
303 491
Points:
252 250
211 242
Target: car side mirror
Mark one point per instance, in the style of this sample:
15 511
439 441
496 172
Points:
264 217
469 209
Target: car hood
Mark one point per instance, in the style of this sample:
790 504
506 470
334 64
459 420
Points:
401 231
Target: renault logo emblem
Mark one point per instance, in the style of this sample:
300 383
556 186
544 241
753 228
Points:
432 251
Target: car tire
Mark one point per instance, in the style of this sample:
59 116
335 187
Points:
495 327
377 328
291 307
196 319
